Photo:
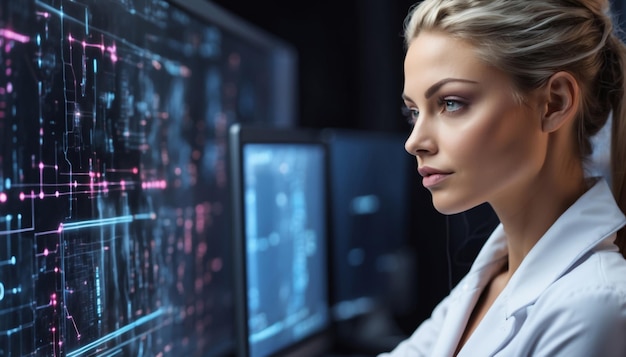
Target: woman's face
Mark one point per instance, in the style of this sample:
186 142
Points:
473 140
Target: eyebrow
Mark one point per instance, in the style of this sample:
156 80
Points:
435 87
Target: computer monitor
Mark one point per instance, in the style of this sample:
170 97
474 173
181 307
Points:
114 197
373 263
369 198
280 241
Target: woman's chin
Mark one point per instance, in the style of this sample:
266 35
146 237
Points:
449 207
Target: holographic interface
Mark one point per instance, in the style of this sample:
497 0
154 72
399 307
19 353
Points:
113 187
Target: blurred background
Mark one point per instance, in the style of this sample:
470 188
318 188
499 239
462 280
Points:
350 57
350 75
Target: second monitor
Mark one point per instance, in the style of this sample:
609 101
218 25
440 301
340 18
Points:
280 214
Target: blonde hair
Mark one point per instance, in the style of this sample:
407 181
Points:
532 40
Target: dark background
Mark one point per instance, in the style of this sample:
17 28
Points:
350 57
350 73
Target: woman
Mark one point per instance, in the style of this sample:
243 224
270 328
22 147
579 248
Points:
504 97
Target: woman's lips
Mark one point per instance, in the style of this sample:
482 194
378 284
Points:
431 176
433 180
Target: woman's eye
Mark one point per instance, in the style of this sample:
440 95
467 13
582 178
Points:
411 114
452 105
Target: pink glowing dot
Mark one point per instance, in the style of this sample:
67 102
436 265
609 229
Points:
75 184
41 132
91 174
41 195
135 170
56 269
41 165
45 252
53 329
22 196
216 264
53 296
70 37
9 87
143 185
3 197
56 194
60 229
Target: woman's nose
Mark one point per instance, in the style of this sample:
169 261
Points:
421 141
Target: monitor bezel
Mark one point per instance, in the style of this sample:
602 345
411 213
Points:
239 136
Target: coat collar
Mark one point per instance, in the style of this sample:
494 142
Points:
593 218
591 221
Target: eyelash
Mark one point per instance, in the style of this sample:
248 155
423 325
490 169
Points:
412 113
443 102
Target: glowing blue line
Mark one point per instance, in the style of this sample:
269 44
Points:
117 333
269 331
23 230
86 22
8 262
148 216
106 221
96 223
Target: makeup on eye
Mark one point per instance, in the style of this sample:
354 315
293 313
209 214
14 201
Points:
451 104
445 104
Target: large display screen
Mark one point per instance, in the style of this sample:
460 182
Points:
114 217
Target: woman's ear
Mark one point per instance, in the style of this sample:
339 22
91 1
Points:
563 97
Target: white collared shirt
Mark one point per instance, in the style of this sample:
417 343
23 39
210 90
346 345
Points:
567 298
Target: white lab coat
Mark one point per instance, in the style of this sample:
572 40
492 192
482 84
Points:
567 298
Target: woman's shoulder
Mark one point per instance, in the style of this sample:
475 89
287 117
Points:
583 313
598 281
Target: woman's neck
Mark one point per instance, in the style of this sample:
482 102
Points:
527 215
